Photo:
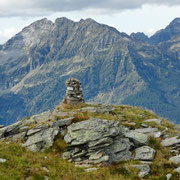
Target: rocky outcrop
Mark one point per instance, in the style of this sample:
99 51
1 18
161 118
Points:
173 143
2 160
144 170
91 141
137 138
149 131
41 137
37 132
74 93
175 159
144 153
98 140
157 121
177 170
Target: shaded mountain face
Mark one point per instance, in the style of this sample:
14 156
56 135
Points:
140 36
112 66
166 34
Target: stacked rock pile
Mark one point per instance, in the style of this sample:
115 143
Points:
74 94
96 140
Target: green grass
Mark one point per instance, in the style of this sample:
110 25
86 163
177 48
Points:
22 163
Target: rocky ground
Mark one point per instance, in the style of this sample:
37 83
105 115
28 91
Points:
140 144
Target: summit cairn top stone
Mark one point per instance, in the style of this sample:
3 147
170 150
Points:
74 94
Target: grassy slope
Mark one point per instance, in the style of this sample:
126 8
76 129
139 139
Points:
22 163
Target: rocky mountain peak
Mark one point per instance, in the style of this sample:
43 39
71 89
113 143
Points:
113 67
40 24
87 20
63 20
140 36
174 26
176 21
166 34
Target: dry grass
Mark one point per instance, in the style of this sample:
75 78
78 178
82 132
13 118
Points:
22 163
80 116
68 107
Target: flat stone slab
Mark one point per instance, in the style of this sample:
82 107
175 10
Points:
91 130
144 153
2 160
37 129
119 150
177 170
105 108
89 109
137 138
58 115
175 159
157 121
97 141
149 131
63 122
100 143
144 125
17 137
42 139
144 169
168 176
146 130
91 169
42 117
170 141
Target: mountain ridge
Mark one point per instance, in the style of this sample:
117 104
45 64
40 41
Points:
112 66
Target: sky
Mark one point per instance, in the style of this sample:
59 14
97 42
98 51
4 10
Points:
128 16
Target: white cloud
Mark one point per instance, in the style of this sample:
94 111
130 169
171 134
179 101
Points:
148 19
46 7
6 34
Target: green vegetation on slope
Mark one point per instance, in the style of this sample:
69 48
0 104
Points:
22 163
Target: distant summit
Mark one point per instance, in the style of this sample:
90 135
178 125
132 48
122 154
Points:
140 36
166 34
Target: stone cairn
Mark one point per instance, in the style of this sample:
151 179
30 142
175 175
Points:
74 94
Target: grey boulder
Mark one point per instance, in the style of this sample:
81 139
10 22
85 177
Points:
96 140
40 139
149 131
144 153
175 159
144 170
170 141
2 160
177 170
157 121
91 130
137 138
